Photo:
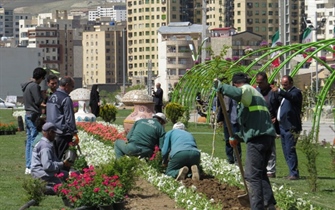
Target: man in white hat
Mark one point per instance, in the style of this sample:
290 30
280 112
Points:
181 152
142 137
45 164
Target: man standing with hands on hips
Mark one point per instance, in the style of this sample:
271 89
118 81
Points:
289 119
158 98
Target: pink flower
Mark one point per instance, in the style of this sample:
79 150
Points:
97 189
60 175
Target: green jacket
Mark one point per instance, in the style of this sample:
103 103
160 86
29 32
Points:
147 133
253 115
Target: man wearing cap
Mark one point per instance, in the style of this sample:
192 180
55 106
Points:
181 152
142 137
45 164
257 131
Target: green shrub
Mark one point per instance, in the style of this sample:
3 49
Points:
80 163
108 112
34 189
176 112
124 167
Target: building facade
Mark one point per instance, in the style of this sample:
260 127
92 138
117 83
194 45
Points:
103 54
9 23
144 18
115 12
175 53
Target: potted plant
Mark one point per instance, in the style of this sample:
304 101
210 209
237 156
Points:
91 190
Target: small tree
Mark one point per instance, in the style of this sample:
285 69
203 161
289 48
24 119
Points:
310 148
176 112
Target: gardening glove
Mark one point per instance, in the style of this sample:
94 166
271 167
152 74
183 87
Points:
67 164
76 139
233 142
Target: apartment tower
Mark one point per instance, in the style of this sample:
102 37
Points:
144 17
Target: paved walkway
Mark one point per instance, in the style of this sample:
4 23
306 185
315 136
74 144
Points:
325 132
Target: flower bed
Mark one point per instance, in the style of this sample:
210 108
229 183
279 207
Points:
7 128
187 197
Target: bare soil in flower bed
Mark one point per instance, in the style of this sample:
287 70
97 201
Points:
147 197
224 194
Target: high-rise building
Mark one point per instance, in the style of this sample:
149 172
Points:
320 16
144 17
257 16
115 12
57 34
103 53
9 23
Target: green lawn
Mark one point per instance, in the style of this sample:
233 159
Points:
12 166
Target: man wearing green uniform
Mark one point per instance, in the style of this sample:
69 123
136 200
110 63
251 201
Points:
257 131
181 153
142 137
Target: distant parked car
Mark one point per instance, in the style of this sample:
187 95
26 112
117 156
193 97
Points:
4 104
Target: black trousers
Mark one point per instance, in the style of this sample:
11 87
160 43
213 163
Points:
61 144
158 108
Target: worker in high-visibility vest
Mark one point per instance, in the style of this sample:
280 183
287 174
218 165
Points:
257 131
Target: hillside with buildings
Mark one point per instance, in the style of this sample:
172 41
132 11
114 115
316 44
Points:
43 6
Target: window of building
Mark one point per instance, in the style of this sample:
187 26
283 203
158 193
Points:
256 20
238 20
174 16
270 12
238 12
257 12
174 9
238 4
263 20
147 25
256 29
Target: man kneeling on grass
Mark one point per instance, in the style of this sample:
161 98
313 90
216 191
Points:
45 164
181 152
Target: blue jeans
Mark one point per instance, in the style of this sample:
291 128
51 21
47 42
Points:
288 142
229 149
31 134
131 149
257 157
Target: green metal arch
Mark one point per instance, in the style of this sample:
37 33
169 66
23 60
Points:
200 77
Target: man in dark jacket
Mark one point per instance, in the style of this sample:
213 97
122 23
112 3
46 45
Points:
158 98
32 99
289 122
272 100
60 112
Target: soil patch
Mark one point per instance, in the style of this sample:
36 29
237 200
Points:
224 194
147 197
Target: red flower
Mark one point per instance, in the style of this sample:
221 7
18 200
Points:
97 189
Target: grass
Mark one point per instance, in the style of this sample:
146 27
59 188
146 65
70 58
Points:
12 166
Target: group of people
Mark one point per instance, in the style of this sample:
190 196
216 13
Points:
257 116
178 147
44 152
